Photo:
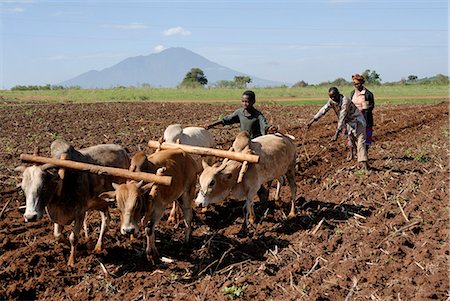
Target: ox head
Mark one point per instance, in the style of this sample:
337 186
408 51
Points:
131 203
216 182
172 133
38 184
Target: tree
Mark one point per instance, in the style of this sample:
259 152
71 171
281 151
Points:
372 77
300 84
412 78
340 81
242 81
194 78
225 84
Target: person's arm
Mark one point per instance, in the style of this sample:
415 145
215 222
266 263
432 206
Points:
264 125
319 114
369 98
229 119
342 114
211 125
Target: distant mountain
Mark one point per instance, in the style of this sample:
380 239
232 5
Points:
164 69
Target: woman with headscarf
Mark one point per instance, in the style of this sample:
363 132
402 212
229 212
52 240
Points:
364 101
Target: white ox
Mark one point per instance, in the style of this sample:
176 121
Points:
67 194
195 136
277 158
132 201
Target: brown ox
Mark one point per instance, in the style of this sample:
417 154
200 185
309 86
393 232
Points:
133 204
69 194
195 136
277 158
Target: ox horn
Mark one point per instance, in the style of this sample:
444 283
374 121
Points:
61 174
46 167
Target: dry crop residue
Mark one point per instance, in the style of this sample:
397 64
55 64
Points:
355 236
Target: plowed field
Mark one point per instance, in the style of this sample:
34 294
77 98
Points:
356 236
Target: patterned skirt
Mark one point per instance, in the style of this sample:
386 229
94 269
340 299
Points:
369 137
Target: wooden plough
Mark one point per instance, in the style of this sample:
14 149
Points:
100 170
243 157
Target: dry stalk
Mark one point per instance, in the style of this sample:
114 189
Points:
357 215
313 269
103 268
375 297
318 226
280 286
398 231
4 208
401 209
419 265
221 259
231 266
208 266
350 293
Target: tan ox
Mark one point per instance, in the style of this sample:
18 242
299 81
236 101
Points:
277 158
195 136
133 204
68 194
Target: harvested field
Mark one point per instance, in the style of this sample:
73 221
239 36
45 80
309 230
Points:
382 236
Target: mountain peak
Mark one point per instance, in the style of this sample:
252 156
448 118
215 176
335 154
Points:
163 69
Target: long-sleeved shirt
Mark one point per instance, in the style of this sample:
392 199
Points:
346 111
255 123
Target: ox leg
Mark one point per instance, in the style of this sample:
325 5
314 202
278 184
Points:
57 232
249 212
154 214
85 227
187 212
73 238
277 193
293 186
103 228
174 216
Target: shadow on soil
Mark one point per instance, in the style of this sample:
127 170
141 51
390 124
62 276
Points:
216 251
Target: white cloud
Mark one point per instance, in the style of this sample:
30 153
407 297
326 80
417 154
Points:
176 31
15 10
131 26
159 48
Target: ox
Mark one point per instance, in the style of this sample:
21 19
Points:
195 136
133 204
277 158
67 195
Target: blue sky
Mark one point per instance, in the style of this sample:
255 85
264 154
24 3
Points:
288 41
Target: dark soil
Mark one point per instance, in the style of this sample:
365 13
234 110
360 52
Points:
349 240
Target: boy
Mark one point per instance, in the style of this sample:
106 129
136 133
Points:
250 119
350 117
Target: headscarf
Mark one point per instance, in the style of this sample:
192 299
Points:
358 79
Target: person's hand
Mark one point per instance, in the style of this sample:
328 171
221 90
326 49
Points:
207 126
335 137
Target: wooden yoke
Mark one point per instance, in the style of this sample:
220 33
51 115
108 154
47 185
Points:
100 170
205 151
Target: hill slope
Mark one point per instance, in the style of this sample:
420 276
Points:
164 69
